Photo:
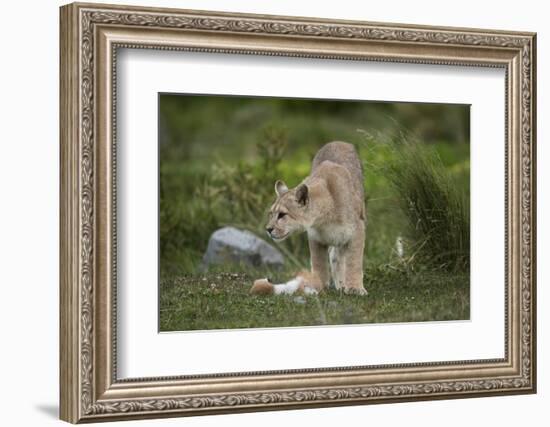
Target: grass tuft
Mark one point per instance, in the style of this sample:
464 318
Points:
435 206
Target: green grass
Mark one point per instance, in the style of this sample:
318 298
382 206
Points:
222 301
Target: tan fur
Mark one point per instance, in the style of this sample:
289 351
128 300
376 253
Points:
262 287
307 280
329 205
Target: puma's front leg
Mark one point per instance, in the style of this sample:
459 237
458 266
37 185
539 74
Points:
319 262
353 282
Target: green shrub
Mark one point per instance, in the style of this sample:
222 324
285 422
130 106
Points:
244 192
223 193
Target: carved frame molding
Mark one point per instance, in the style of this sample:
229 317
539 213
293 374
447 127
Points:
90 37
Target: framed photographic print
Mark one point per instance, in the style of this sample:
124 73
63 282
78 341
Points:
345 211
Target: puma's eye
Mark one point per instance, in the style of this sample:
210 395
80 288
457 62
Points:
281 215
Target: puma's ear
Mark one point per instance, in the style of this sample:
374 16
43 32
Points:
280 188
302 194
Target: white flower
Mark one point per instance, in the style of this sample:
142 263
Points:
399 247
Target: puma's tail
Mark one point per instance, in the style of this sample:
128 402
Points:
298 284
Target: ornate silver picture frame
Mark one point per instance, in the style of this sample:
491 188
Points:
91 34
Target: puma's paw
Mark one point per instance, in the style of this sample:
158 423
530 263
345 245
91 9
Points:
355 291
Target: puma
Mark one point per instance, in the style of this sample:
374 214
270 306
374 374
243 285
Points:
329 205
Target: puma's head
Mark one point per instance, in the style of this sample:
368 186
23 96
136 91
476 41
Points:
289 213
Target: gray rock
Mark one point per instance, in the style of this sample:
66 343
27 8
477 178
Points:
230 245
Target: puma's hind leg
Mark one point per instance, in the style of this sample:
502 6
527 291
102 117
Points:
337 266
353 282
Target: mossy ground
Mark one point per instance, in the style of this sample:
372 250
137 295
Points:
222 301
